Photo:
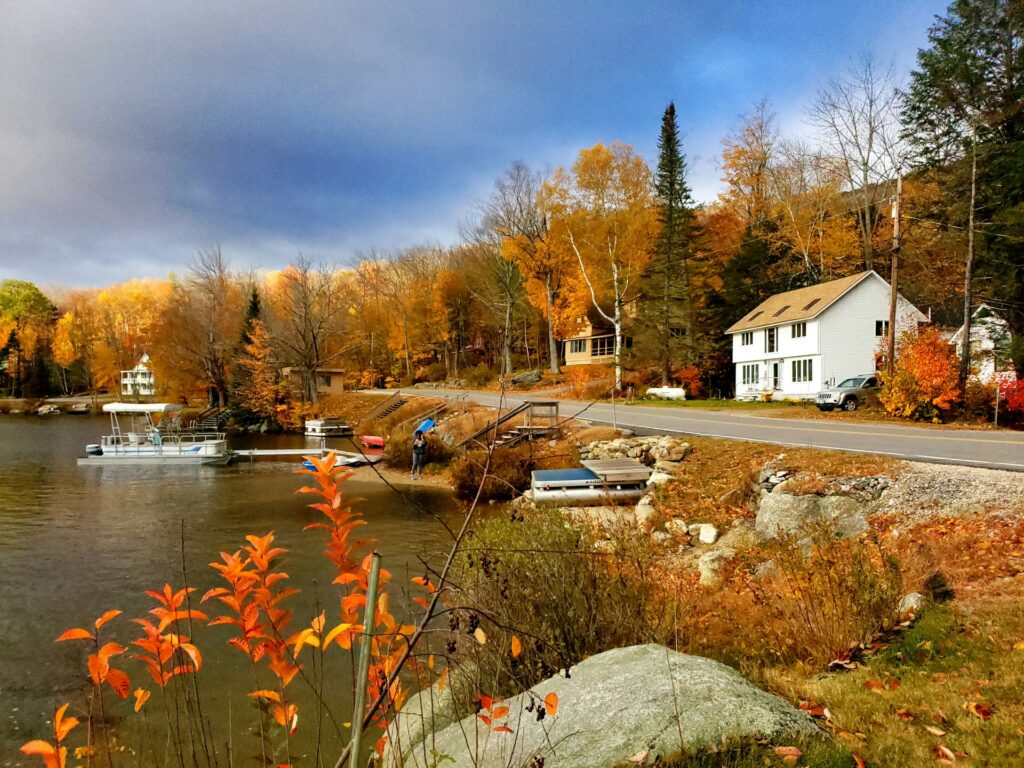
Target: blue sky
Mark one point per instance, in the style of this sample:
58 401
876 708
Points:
133 132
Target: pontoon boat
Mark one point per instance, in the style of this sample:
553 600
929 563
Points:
147 442
327 427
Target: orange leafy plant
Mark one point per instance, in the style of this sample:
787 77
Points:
54 755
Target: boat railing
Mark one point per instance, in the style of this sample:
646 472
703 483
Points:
158 439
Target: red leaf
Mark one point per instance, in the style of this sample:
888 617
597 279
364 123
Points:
119 682
551 704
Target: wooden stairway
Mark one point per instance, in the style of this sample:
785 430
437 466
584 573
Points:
385 408
211 420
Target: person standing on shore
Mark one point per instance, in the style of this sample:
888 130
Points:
419 450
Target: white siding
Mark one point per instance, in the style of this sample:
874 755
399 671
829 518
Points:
848 340
840 342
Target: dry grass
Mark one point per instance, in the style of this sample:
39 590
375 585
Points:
954 680
714 484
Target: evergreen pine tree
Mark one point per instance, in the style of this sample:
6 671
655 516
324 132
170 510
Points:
666 310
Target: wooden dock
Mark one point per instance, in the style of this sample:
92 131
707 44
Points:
346 457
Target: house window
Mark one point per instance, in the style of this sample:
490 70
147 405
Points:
747 338
771 340
881 327
799 330
750 374
323 380
803 370
577 346
602 345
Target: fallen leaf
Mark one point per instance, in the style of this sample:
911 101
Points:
1019 646
789 755
640 757
979 709
874 685
859 761
934 731
904 714
480 635
551 704
944 754
517 647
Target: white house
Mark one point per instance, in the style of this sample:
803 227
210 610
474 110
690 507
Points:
990 344
139 380
796 343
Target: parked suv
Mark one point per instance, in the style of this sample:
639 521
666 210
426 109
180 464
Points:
849 394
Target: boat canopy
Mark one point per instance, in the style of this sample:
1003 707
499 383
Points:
141 407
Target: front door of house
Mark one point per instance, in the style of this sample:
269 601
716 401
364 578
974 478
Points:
776 375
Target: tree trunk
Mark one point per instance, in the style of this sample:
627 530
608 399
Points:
618 344
552 341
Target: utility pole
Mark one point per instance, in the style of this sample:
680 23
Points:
965 348
890 353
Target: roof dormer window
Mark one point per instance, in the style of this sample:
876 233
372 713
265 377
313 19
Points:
811 304
781 311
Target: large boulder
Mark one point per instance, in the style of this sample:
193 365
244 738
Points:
613 706
781 514
527 377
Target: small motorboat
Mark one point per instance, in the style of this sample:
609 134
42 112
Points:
47 409
327 427
347 459
78 408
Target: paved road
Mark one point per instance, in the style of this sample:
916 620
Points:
997 450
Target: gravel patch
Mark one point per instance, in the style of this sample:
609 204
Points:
952 490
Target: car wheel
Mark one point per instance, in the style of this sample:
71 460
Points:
850 404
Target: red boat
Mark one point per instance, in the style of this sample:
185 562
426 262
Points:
372 441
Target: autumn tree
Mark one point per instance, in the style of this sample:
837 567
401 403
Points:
310 313
963 111
26 318
666 312
258 391
514 212
805 186
747 157
604 212
923 384
857 118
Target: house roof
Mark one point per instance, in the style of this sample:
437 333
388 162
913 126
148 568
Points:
801 304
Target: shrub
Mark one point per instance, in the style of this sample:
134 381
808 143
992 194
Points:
825 597
544 580
586 379
979 399
478 376
923 383
507 477
432 372
689 377
1011 395
400 449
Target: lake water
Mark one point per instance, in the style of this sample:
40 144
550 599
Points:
77 541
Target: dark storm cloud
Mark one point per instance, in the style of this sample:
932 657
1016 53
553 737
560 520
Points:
132 133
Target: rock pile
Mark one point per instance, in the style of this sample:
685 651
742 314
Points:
650 450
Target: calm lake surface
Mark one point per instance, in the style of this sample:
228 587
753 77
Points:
77 541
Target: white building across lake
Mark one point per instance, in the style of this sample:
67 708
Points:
796 343
139 381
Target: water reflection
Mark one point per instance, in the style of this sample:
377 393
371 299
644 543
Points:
76 541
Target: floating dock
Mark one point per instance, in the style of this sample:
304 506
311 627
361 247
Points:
345 457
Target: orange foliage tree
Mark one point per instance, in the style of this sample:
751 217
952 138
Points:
923 383
603 212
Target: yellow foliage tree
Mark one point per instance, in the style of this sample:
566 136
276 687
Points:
603 212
